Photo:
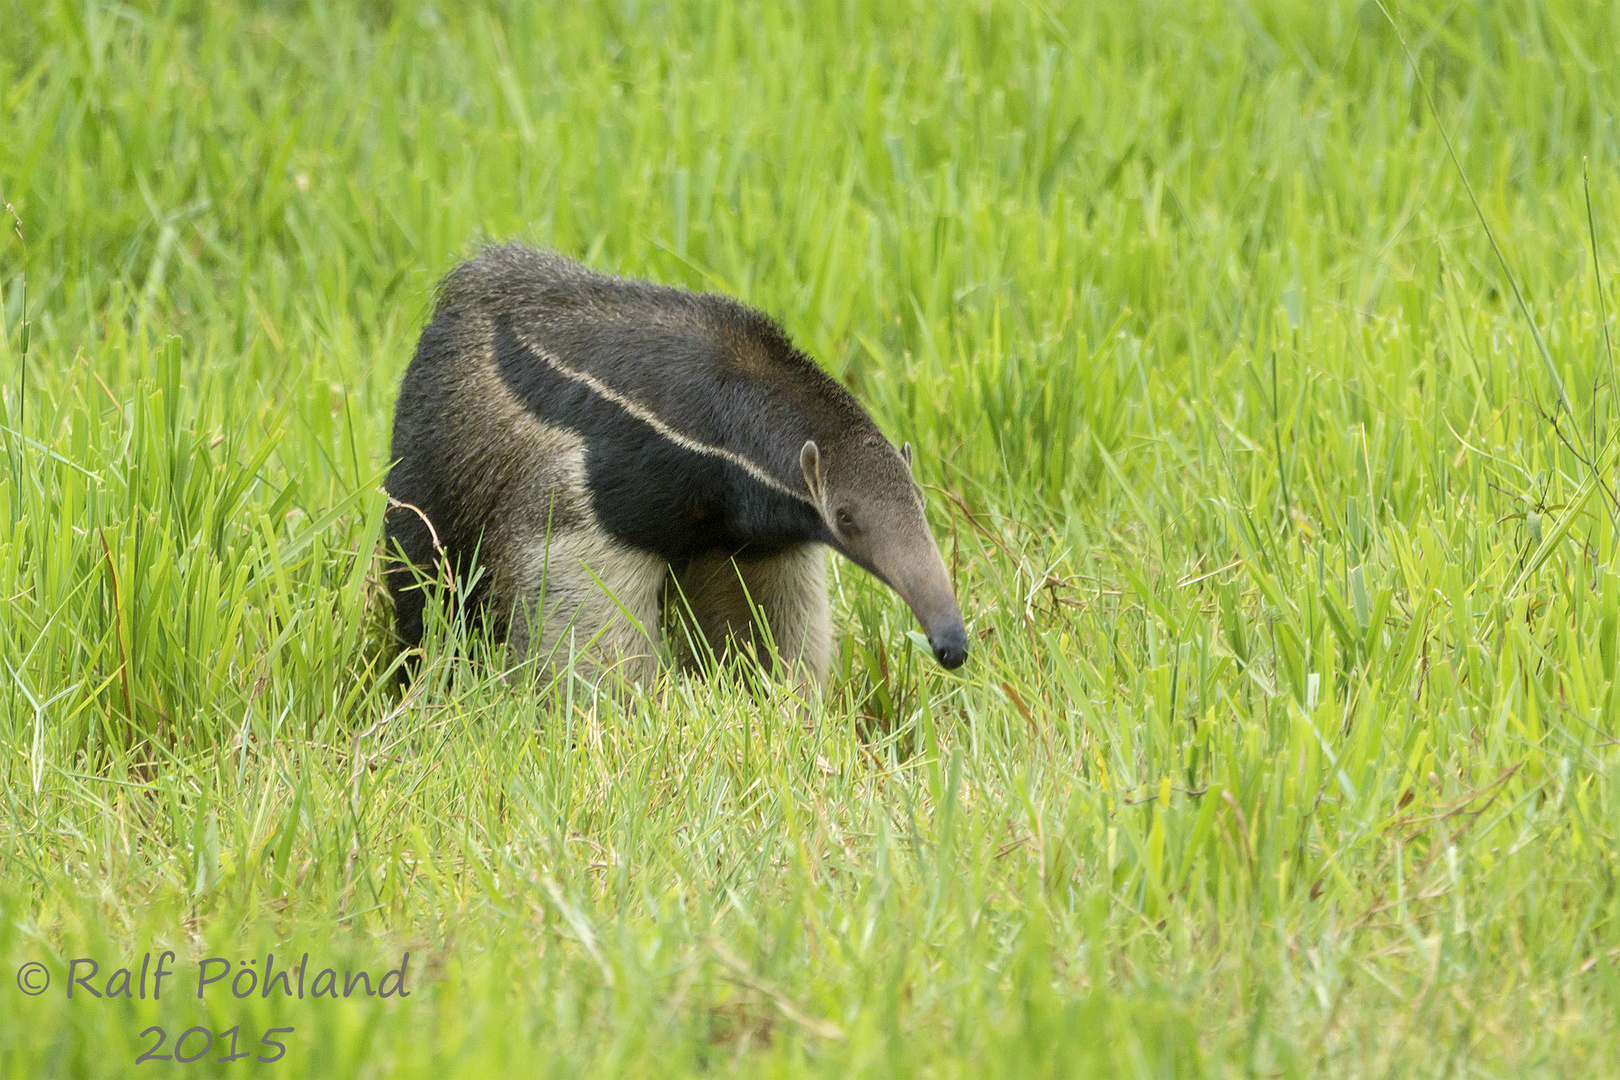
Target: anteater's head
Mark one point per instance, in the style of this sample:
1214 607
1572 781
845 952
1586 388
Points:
874 510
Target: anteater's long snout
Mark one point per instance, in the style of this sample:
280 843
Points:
925 586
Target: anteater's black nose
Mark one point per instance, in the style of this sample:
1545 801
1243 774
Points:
950 647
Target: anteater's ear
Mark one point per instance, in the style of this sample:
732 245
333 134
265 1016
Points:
810 463
905 452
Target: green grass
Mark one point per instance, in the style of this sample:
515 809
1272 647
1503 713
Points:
1289 742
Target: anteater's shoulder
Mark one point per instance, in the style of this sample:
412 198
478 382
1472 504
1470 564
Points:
755 349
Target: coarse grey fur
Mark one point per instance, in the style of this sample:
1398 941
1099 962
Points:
613 453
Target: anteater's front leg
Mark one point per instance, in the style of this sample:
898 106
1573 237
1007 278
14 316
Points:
579 593
722 596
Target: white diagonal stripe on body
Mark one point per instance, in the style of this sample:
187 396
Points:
649 418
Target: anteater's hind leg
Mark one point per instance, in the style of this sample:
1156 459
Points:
579 593
789 591
408 556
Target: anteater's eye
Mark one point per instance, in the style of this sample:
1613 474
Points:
845 521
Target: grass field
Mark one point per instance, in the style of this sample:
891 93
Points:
1282 507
